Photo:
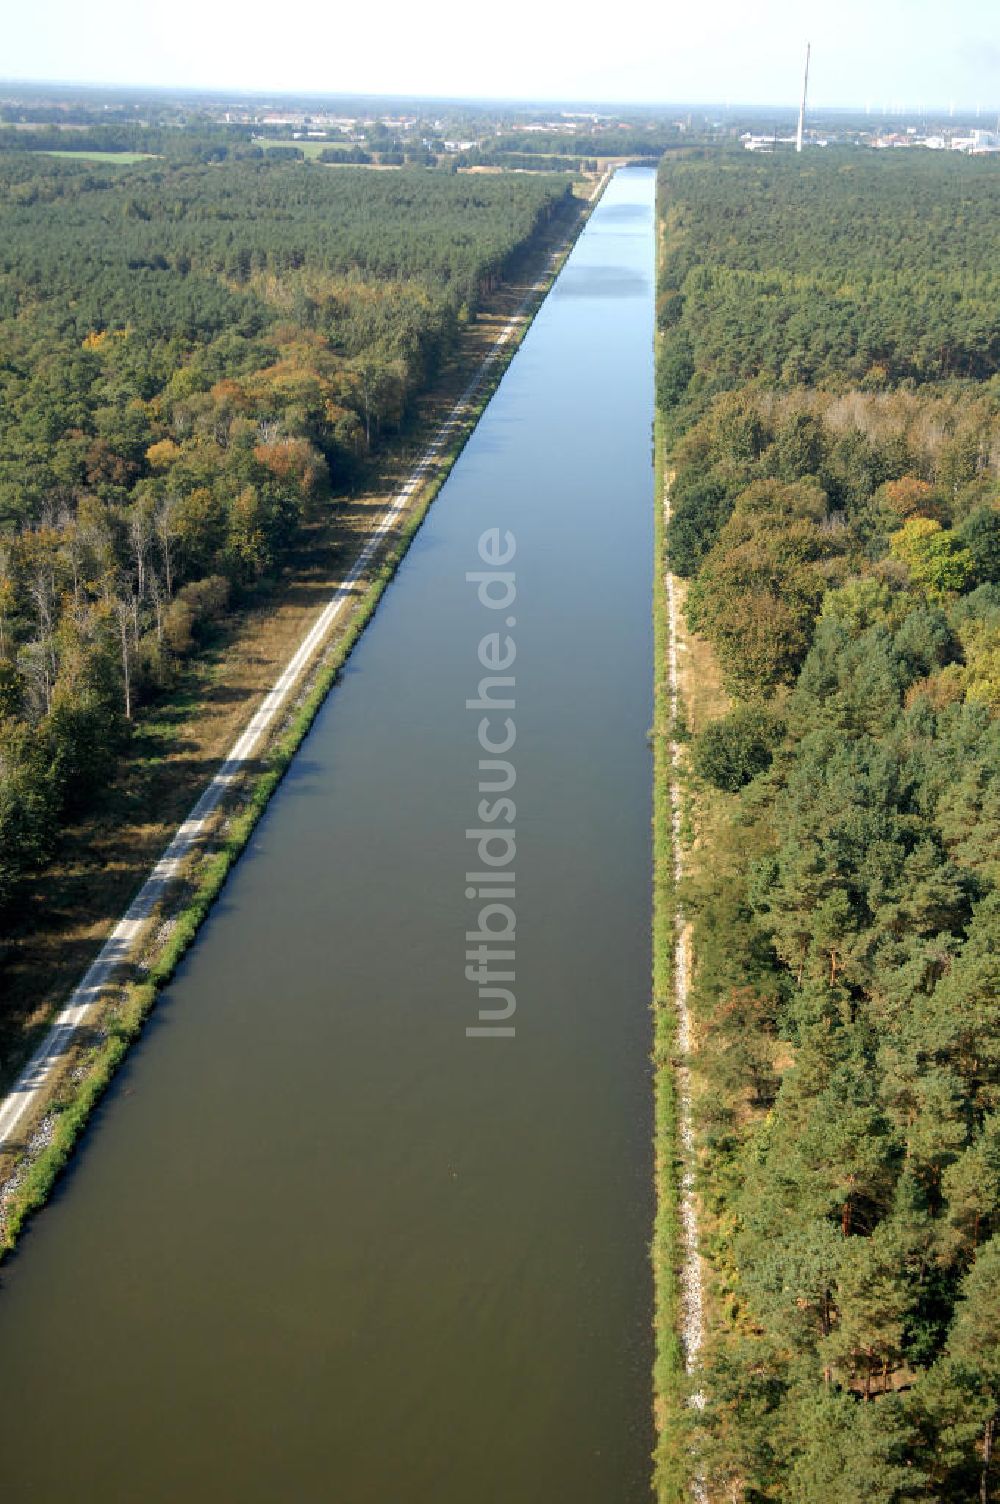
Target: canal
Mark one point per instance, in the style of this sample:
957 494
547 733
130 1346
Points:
320 1243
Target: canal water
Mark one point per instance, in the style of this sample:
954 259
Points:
320 1244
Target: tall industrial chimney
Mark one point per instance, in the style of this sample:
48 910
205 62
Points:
802 111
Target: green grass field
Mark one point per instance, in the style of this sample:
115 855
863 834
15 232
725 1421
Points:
117 158
308 149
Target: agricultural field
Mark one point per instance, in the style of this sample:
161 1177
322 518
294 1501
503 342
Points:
115 158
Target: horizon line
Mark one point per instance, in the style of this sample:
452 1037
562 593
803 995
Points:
727 106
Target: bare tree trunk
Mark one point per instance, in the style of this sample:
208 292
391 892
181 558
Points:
8 596
156 595
126 613
42 589
71 549
166 535
139 534
126 669
984 1482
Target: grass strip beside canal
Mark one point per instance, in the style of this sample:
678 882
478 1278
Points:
670 1390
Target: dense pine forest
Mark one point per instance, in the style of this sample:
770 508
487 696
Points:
828 377
195 357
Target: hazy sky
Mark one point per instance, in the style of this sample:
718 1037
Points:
877 52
